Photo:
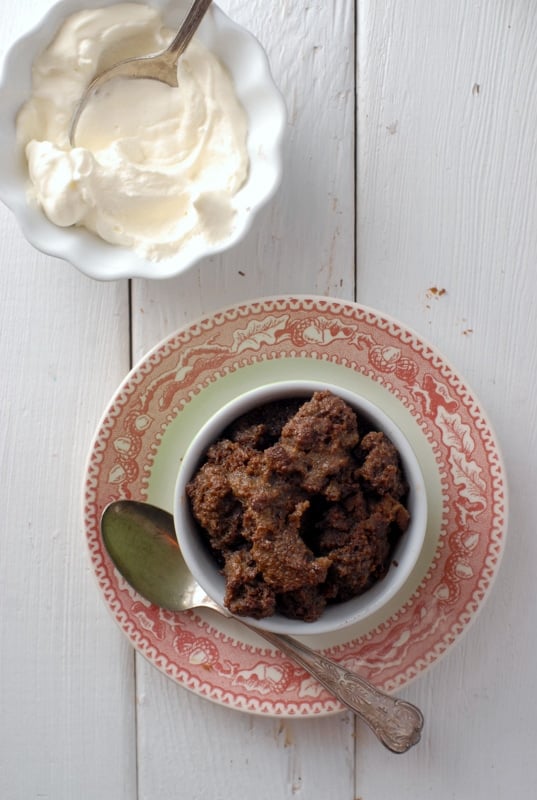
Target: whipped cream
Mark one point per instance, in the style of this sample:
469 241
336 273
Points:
155 167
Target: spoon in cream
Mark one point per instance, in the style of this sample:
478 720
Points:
161 67
142 544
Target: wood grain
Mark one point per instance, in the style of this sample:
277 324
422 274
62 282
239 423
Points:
66 676
446 200
303 242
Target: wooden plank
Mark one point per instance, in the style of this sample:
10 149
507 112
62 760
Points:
205 750
302 242
446 199
66 673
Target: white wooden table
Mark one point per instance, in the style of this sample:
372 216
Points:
410 163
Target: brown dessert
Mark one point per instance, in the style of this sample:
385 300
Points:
301 504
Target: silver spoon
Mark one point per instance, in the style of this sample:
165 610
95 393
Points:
141 542
160 67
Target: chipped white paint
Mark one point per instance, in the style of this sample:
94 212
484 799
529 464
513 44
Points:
446 240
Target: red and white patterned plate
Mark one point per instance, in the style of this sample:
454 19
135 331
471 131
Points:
181 382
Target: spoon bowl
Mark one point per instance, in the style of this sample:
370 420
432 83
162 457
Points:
140 541
160 67
142 544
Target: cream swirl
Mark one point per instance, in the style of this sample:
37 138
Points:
154 166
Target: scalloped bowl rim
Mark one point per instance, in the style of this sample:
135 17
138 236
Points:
86 251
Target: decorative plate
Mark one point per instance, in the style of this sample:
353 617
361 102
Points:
183 380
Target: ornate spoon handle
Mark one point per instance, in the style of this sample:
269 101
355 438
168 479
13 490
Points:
396 723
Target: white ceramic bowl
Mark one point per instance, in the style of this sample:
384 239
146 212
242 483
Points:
339 615
247 62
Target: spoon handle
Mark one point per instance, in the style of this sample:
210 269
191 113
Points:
188 28
397 723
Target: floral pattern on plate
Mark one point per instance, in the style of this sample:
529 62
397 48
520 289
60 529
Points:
183 380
